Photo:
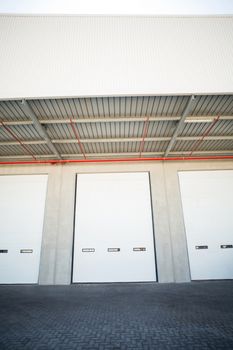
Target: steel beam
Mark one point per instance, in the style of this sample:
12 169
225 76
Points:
179 125
189 119
40 129
119 140
123 154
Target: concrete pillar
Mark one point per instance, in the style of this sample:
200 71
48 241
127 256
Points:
64 247
51 224
164 256
176 224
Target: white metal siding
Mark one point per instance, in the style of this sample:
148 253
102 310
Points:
52 56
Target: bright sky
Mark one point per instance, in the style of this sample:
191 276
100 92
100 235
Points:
121 7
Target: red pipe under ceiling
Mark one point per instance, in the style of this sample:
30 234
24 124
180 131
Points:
115 160
75 131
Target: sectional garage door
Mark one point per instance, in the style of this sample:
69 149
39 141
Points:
207 198
113 229
22 202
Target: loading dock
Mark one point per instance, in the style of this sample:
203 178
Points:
130 108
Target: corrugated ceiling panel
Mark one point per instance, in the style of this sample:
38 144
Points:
183 146
72 148
213 105
41 110
119 107
203 146
19 150
39 149
113 147
193 129
164 105
48 109
213 145
11 150
152 146
4 135
157 129
23 132
26 131
60 131
109 107
85 131
221 127
11 110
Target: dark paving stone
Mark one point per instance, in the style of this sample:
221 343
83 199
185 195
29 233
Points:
195 315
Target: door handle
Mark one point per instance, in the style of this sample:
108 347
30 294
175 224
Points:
23 251
225 246
88 250
201 247
139 249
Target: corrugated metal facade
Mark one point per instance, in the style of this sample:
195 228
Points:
73 56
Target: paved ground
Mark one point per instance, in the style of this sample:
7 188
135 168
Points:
118 316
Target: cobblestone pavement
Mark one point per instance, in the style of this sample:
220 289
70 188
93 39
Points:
197 315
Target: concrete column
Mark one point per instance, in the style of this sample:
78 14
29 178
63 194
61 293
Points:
161 225
51 224
64 248
177 228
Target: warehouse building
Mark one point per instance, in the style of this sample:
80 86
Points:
116 149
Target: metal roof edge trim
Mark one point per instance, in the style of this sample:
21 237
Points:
115 95
184 16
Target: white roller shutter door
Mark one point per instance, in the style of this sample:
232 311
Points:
22 203
113 229
207 198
